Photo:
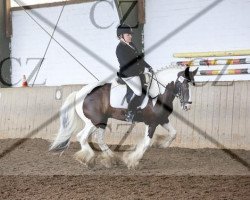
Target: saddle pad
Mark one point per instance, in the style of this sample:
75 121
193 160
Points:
134 83
117 95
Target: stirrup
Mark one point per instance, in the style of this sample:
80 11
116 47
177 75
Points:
129 116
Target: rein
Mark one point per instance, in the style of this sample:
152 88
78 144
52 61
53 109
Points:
158 83
178 91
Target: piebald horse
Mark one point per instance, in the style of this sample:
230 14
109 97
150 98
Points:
91 105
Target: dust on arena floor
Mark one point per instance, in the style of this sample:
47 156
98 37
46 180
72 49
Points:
31 172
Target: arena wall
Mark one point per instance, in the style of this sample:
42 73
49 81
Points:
220 114
85 39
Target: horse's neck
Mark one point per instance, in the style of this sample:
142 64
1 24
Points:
166 99
166 76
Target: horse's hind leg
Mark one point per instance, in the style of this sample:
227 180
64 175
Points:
107 157
86 154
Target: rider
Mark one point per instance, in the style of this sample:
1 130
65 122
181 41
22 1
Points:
132 66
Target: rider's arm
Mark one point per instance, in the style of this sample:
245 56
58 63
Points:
143 62
147 65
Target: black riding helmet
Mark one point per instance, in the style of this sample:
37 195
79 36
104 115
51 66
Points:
123 28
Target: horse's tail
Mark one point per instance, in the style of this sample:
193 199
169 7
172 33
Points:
69 123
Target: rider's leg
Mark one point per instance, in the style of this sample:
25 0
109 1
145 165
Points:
137 100
132 106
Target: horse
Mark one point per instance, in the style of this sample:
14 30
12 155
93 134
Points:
91 105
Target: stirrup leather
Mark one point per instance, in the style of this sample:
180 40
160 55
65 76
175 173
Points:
129 116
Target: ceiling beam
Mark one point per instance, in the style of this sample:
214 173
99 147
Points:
141 11
8 22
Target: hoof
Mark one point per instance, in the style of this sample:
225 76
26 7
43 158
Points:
130 161
91 164
159 140
108 159
85 158
106 162
164 145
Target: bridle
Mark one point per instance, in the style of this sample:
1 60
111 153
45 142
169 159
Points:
179 93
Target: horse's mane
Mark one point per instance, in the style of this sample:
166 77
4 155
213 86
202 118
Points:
172 66
168 74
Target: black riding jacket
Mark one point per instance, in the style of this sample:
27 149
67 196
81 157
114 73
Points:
131 62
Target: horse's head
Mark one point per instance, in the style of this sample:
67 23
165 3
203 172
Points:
182 89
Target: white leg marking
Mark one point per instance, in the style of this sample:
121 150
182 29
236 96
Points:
107 157
132 159
172 133
86 154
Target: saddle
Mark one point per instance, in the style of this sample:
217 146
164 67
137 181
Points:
120 95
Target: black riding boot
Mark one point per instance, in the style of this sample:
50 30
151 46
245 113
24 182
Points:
135 102
132 107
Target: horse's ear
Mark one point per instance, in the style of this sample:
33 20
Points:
187 75
195 71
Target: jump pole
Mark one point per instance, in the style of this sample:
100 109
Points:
206 62
226 72
213 54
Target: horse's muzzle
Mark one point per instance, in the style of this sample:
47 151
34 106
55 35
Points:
187 106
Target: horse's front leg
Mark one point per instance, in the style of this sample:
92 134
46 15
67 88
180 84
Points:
162 140
132 159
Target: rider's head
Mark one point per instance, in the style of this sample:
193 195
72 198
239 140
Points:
124 32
